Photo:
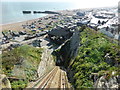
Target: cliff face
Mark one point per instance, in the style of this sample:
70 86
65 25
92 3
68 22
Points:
46 63
69 50
89 53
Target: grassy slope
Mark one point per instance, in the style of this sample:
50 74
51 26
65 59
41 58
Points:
27 57
91 58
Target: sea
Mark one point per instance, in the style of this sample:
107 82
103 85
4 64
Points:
11 12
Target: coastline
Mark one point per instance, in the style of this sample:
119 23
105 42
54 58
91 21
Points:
17 26
21 20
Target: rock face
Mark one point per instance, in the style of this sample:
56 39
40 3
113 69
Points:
59 34
69 49
107 84
4 82
46 63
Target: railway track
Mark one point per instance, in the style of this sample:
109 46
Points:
55 79
46 82
64 81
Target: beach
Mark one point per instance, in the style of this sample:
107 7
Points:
68 34
18 25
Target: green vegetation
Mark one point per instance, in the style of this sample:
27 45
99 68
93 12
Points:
21 62
19 84
96 54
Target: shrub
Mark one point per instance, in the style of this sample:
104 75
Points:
91 57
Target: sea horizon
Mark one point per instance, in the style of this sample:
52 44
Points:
12 11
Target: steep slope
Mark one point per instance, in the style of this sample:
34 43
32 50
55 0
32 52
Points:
97 56
68 50
21 64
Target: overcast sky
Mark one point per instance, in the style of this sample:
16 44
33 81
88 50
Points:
78 3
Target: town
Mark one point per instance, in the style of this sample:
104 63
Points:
102 20
59 34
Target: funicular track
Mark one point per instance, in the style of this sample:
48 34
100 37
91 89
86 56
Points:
56 78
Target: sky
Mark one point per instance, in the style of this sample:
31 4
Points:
78 3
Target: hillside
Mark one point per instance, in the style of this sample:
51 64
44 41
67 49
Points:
88 56
21 64
76 49
97 55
